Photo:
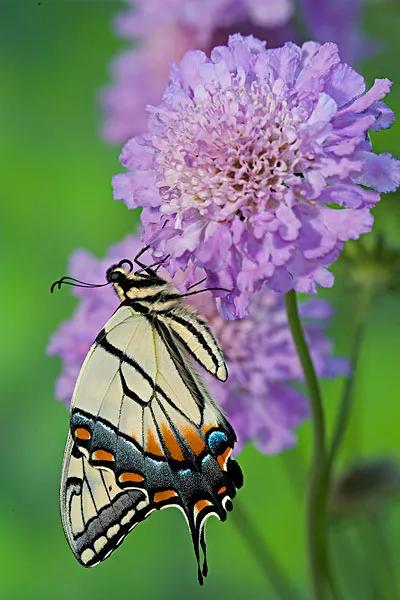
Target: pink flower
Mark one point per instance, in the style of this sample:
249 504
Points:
251 165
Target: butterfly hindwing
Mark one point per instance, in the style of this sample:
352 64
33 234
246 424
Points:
143 419
97 514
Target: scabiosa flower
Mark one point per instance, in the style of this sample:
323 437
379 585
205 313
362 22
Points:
255 166
259 396
165 30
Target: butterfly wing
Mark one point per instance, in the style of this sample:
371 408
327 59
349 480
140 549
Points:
96 513
141 413
197 339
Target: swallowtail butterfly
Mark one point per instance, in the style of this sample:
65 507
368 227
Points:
144 432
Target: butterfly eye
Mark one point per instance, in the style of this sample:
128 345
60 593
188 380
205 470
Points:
126 262
115 276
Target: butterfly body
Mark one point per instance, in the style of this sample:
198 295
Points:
145 433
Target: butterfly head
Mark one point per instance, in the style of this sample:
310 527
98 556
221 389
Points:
130 284
127 283
117 274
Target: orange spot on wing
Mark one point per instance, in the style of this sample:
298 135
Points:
102 455
200 504
152 444
222 458
193 439
164 495
130 476
82 434
171 443
222 490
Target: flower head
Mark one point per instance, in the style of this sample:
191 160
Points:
252 164
258 397
167 29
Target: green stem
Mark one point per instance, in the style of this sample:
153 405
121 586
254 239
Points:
293 463
276 577
318 490
345 408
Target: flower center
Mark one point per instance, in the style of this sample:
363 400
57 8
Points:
236 151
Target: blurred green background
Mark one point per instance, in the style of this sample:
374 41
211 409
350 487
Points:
56 196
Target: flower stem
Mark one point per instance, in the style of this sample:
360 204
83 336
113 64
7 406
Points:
342 419
318 490
277 579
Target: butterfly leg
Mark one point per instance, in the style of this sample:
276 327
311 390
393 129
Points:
138 255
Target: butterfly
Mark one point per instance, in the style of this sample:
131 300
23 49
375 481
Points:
144 432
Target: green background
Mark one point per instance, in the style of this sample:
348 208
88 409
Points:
56 196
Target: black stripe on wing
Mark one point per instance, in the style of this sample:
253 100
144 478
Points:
124 358
196 388
197 329
197 339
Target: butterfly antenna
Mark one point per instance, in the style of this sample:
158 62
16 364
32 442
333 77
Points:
66 280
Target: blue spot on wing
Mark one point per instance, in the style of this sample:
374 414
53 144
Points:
216 441
185 472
